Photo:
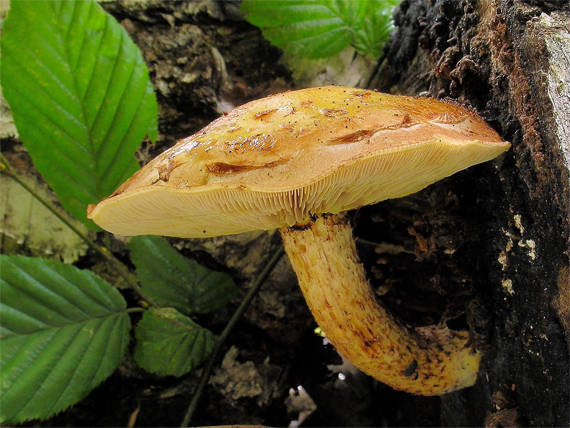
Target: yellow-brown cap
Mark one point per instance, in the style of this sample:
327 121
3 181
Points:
273 162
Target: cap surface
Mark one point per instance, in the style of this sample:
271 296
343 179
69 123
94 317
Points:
275 161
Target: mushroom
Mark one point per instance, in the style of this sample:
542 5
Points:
297 161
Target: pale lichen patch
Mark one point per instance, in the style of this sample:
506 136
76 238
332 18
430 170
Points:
518 223
29 226
507 285
503 257
531 245
503 260
528 244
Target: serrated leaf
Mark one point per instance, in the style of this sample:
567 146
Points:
371 33
80 95
62 332
322 28
169 343
171 279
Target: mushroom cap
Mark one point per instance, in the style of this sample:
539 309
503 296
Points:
276 161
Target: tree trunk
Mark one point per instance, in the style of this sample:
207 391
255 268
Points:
510 60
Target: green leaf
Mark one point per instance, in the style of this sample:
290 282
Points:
62 332
80 95
169 343
322 28
171 279
371 33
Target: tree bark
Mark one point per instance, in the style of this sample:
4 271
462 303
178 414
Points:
509 60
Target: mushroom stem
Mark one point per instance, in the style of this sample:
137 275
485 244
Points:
426 361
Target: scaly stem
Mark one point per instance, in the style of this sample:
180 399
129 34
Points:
425 361
254 288
6 169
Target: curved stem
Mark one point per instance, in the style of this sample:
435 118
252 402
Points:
254 288
427 361
6 169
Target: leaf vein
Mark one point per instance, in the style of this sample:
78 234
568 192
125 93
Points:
82 107
57 126
117 108
38 284
42 382
120 144
98 329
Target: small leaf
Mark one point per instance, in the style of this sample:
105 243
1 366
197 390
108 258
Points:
169 343
80 95
322 28
370 35
62 332
171 279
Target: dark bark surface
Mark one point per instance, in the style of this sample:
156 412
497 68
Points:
484 250
498 57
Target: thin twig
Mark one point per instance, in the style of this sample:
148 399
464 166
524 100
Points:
366 242
6 169
255 286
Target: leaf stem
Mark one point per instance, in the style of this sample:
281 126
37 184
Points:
6 169
255 286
